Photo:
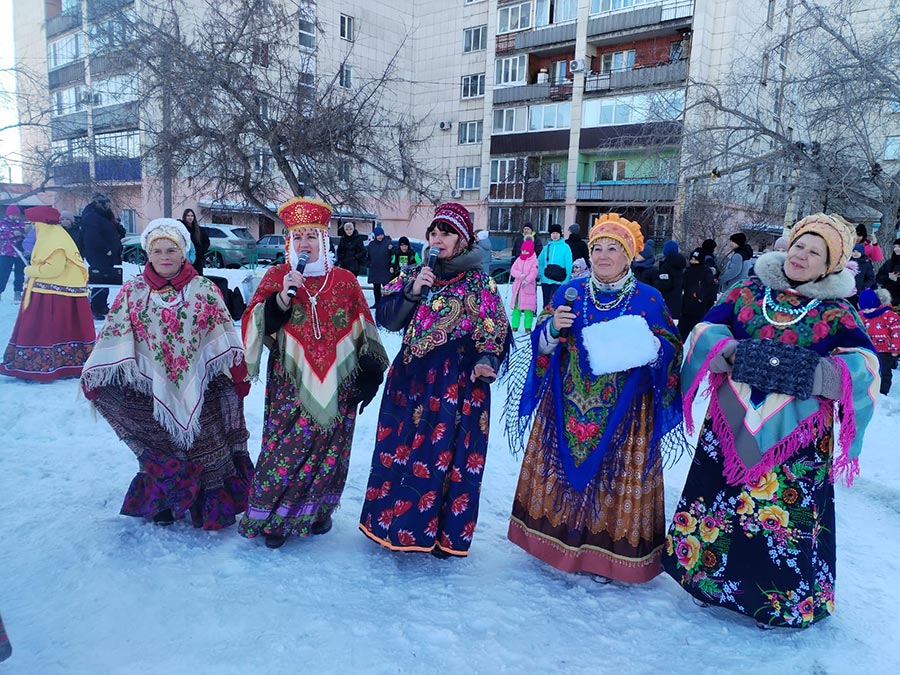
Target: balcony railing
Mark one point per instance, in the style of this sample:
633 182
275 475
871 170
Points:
506 43
639 16
119 169
626 191
60 23
554 191
549 35
533 92
648 76
67 174
68 126
100 8
119 116
71 73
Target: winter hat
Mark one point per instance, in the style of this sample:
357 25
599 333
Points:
42 214
482 235
861 231
527 249
869 300
304 212
555 227
781 244
670 247
13 210
100 198
839 236
859 248
378 231
626 232
575 229
403 241
166 228
457 217
739 238
708 245
67 215
697 255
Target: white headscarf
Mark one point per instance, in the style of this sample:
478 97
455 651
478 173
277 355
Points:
321 265
166 228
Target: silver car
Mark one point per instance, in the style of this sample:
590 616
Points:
229 246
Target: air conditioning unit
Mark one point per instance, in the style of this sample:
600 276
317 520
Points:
576 65
445 125
456 194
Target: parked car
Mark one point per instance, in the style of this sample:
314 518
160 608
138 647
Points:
229 246
132 252
501 262
271 247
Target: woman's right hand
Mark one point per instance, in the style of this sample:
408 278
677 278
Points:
424 278
563 317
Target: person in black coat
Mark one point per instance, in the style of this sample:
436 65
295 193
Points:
380 251
102 249
527 232
700 290
669 278
865 276
351 250
199 239
709 257
578 246
888 276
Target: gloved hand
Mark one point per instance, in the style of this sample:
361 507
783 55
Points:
239 379
242 388
367 382
723 362
827 379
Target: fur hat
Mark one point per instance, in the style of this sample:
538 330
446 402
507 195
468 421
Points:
738 238
457 217
166 228
555 227
13 210
626 232
304 212
42 214
839 236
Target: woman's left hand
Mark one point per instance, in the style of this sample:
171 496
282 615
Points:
483 370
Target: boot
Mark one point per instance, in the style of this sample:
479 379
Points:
322 526
439 553
164 518
275 540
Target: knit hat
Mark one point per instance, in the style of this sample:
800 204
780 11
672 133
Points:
166 228
100 198
859 248
622 230
304 212
42 214
527 248
575 229
67 215
457 217
670 247
13 210
709 245
780 244
868 300
378 231
839 236
739 238
403 240
698 254
482 235
555 227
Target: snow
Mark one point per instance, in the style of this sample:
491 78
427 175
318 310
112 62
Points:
85 590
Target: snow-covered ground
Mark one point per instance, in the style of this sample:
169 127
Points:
85 590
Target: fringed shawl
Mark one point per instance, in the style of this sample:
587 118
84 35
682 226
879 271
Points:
594 413
169 344
318 366
775 426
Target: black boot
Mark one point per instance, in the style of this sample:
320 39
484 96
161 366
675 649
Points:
439 553
322 526
275 540
164 518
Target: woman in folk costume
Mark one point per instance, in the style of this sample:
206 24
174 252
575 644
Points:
326 360
755 528
168 374
435 413
54 332
602 391
524 272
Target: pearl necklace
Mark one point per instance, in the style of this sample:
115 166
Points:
623 294
797 312
313 301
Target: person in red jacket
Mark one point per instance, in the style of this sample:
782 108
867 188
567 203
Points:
883 326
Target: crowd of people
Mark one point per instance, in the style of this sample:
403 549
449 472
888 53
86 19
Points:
599 393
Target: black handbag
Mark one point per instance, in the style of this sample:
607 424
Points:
105 276
772 366
555 272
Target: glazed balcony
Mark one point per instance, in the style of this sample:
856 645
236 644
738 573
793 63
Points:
626 191
622 21
63 22
639 77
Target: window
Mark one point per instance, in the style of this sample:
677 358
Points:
600 6
115 90
307 31
472 86
69 100
262 106
511 70
468 178
346 27
65 50
550 116
894 107
770 16
549 12
764 79
558 72
345 77
667 168
892 147
633 109
613 61
662 226
551 172
344 171
470 132
509 120
513 18
129 220
126 145
507 178
609 169
474 39
260 55
472 2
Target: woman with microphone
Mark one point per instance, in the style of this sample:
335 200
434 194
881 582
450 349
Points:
602 401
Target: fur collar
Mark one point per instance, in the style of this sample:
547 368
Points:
769 268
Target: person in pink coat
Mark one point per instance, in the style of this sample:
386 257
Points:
524 271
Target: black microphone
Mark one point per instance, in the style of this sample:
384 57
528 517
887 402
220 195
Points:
433 254
302 259
571 296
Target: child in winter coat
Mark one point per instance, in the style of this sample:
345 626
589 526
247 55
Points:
883 326
524 272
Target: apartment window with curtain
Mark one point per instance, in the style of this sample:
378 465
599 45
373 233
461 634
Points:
468 178
470 132
511 70
612 61
513 18
474 39
609 169
347 28
549 12
472 86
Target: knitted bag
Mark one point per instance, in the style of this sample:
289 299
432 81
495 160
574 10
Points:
775 367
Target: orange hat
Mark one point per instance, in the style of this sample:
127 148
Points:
304 212
839 236
622 230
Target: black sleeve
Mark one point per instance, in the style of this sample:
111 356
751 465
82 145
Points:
395 310
274 317
368 380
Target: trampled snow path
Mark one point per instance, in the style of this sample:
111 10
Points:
85 590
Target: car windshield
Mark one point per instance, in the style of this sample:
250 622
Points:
243 233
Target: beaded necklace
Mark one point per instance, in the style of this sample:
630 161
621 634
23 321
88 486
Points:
621 296
156 298
797 312
313 301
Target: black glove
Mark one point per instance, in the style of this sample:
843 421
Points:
368 381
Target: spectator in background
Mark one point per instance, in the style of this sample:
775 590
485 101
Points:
403 255
709 257
578 246
670 277
700 289
524 273
883 326
554 263
483 246
103 250
644 262
12 235
888 276
199 239
870 244
379 252
527 233
780 245
351 250
865 273
739 263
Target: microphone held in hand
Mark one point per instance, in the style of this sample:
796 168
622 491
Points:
571 296
433 254
302 259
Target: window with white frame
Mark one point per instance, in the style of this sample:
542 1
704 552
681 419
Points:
470 132
613 61
344 172
474 39
262 161
633 109
65 50
667 168
508 170
114 90
347 28
609 169
892 147
550 116
122 145
468 178
558 71
345 76
472 2
307 26
509 120
511 70
601 6
129 220
550 12
262 106
69 100
472 86
514 17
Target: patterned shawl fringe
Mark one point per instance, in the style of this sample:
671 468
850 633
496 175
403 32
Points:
845 467
127 374
516 425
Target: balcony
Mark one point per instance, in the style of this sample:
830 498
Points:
559 91
119 116
506 192
547 140
68 174
99 8
543 37
63 22
648 76
506 43
626 191
111 63
71 73
641 135
119 169
639 17
68 126
554 191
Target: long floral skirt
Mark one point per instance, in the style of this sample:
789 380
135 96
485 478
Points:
766 550
210 479
615 531
51 340
302 468
430 450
